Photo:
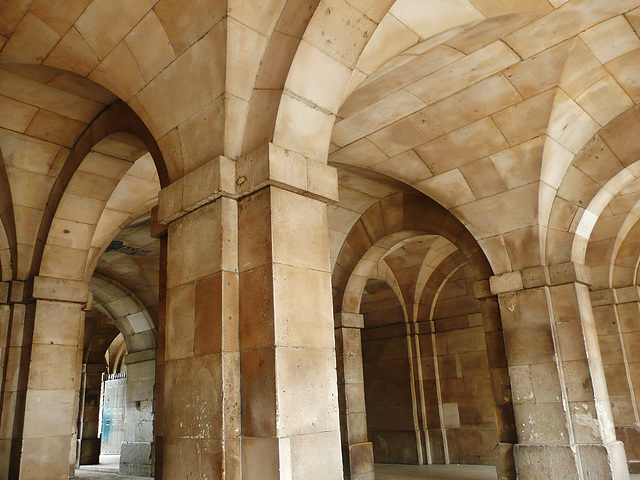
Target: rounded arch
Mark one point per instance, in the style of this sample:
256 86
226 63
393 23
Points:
108 162
105 193
126 311
398 217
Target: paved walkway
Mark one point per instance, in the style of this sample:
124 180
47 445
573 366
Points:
108 468
434 472
439 472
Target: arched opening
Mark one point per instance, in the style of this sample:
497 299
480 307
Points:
79 168
387 376
434 377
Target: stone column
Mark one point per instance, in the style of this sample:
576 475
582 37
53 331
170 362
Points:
43 378
266 219
198 426
137 452
617 316
290 420
159 231
357 451
560 399
88 441
500 381
13 311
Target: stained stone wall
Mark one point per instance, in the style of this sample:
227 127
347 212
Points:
387 377
137 451
467 402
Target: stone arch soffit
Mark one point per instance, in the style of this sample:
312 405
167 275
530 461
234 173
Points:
373 266
8 241
438 253
126 310
109 143
415 214
596 139
441 287
623 269
434 282
613 259
306 109
101 246
93 349
589 217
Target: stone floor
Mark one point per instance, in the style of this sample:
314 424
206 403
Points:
434 472
108 470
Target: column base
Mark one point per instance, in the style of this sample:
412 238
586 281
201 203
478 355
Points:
358 461
558 462
89 451
136 458
630 436
504 461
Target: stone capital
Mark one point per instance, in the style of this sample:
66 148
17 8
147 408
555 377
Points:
60 289
223 177
349 320
615 296
277 166
141 356
205 184
540 276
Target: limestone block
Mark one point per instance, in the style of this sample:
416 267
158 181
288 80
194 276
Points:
602 297
150 46
519 342
192 457
188 399
274 165
356 427
266 458
19 291
627 294
541 424
180 326
508 282
54 367
45 457
316 456
351 320
307 400
293 217
605 100
360 456
305 138
39 405
395 447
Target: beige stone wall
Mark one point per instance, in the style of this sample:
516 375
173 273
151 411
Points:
468 405
388 377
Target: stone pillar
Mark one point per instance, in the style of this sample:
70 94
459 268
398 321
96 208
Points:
290 420
88 441
160 231
560 399
266 219
617 316
137 452
500 381
13 311
198 371
357 451
40 407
